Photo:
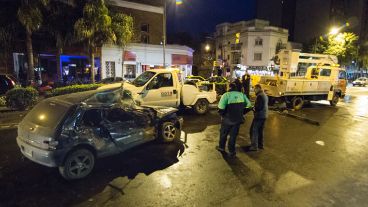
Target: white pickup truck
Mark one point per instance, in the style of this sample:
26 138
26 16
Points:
165 87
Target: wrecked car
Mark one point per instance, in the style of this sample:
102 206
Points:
71 131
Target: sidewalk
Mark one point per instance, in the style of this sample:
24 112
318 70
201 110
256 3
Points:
9 119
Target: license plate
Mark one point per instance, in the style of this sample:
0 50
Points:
27 151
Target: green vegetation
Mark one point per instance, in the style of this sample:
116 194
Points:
73 89
21 98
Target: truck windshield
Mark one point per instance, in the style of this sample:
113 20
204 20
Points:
143 78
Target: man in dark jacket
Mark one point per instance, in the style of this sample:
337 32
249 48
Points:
246 84
260 115
232 108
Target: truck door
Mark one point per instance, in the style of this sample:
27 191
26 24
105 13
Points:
161 91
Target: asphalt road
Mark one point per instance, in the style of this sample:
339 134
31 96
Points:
302 165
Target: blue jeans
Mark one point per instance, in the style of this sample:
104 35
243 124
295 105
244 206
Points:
256 132
225 130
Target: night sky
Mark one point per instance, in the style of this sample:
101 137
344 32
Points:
202 16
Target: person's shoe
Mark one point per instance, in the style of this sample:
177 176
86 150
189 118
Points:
252 148
220 149
232 154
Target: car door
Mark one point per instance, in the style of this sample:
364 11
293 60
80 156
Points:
126 128
161 91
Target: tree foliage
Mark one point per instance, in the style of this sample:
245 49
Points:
343 45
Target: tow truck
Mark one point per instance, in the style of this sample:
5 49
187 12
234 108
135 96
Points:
165 87
305 77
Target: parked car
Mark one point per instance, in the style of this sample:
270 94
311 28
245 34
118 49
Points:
362 81
7 82
111 80
194 78
71 131
220 82
217 80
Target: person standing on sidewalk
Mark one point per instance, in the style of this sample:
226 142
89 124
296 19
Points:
246 84
260 115
232 107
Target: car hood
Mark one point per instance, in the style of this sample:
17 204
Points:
162 111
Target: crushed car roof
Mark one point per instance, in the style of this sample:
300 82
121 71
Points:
76 98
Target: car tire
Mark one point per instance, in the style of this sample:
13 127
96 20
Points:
201 107
78 164
169 132
335 100
297 103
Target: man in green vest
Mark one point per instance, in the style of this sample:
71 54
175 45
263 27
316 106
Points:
232 107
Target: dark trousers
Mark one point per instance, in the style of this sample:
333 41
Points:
256 132
233 131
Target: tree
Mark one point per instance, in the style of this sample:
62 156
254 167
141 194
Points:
60 23
94 29
317 45
123 28
30 16
344 46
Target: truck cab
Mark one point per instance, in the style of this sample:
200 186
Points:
165 87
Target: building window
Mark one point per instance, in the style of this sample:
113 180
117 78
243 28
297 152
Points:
145 28
325 72
130 71
257 56
145 38
236 58
259 41
110 69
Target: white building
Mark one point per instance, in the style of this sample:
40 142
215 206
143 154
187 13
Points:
249 44
138 58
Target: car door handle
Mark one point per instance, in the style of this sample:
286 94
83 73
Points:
175 91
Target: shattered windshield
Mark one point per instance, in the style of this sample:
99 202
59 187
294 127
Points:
143 78
118 96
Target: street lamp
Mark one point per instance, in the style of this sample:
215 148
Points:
334 31
207 48
177 2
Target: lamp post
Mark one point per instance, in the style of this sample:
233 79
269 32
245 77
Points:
164 33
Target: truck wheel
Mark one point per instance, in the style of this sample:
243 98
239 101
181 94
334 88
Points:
334 100
297 103
201 107
78 164
169 132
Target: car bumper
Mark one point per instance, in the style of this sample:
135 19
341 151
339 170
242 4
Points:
41 156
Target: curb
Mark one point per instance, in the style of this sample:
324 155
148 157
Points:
310 121
9 126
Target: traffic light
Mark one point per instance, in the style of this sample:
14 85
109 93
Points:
237 38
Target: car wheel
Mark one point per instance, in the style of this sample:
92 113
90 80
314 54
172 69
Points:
78 164
201 107
334 100
169 132
297 103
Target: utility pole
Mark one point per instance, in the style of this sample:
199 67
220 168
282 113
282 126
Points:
164 33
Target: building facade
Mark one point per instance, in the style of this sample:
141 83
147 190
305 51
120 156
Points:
307 20
148 19
249 44
137 58
146 51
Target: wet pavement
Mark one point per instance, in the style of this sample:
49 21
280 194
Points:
302 165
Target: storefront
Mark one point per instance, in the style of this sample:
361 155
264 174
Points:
138 58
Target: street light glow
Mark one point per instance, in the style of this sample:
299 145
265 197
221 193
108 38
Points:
207 48
334 31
